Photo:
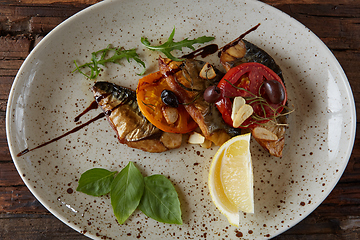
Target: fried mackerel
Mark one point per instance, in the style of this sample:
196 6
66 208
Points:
132 128
188 80
241 51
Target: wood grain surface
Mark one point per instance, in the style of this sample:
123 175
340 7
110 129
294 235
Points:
24 23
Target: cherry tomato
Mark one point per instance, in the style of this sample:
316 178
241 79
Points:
250 77
148 95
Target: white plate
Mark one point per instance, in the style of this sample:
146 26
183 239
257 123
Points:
46 97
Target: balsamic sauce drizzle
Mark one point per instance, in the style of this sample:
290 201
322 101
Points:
237 40
213 48
203 52
91 107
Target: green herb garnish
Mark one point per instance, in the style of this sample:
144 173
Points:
170 45
96 182
126 192
149 105
100 58
154 195
160 200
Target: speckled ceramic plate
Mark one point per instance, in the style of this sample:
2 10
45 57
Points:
46 97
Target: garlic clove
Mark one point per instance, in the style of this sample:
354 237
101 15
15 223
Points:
264 134
170 114
244 113
196 138
237 104
207 72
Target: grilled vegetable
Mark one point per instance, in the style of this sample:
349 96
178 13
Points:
132 128
242 51
246 80
184 80
149 94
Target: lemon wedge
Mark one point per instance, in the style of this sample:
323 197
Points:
231 178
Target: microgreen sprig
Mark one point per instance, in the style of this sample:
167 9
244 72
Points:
100 58
170 45
151 106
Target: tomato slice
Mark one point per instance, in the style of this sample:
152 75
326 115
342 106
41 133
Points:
250 78
148 95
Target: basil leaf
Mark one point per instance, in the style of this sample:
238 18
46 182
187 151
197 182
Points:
160 200
96 182
126 192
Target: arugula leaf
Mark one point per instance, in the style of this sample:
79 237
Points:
160 200
126 192
170 45
96 182
99 58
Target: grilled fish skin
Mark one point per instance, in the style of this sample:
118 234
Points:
132 128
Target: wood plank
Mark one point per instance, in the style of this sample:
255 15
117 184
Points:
349 61
343 33
323 9
4 150
63 2
9 67
90 2
53 10
41 25
325 227
17 47
9 175
344 200
308 2
35 226
5 86
18 199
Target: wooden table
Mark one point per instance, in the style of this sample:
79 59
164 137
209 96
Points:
23 23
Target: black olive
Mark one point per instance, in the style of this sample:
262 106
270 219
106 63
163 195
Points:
212 94
169 98
275 91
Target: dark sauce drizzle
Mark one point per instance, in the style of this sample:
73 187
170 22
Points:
92 106
101 115
213 48
203 52
237 40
